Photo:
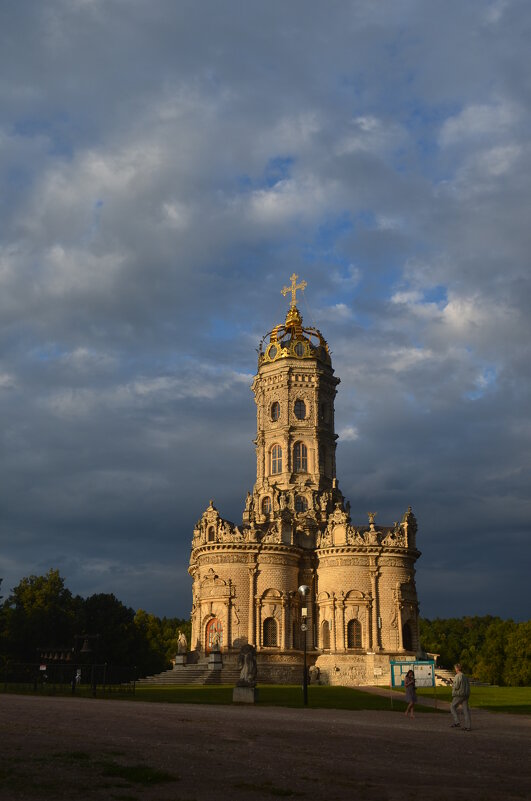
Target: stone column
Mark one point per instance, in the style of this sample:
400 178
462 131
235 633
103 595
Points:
284 635
258 624
250 636
342 632
229 623
399 621
334 624
376 645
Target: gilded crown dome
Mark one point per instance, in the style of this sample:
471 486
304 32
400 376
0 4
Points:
291 339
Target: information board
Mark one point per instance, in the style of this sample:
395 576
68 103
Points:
424 672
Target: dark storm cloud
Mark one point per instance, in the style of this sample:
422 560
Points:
165 169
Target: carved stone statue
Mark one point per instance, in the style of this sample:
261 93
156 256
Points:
247 666
182 644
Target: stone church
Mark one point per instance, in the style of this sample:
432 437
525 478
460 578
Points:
362 609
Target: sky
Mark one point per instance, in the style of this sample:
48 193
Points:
164 168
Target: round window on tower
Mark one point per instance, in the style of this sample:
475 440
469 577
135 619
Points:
300 409
272 352
275 410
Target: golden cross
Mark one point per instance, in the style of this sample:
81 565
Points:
293 289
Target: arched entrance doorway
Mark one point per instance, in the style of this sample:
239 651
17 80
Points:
213 635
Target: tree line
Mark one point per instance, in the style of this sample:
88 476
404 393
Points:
490 649
41 613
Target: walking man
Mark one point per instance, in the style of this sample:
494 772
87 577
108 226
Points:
460 696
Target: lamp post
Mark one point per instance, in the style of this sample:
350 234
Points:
88 651
304 590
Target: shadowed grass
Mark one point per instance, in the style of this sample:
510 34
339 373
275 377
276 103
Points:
273 695
515 700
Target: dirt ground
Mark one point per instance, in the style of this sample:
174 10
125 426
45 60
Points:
75 748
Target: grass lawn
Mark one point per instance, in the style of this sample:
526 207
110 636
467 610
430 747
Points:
274 695
268 695
495 699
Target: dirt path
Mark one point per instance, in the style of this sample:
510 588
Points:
74 748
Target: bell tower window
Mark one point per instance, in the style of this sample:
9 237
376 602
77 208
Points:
276 459
266 505
300 409
275 411
300 457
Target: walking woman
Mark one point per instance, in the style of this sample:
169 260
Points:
411 695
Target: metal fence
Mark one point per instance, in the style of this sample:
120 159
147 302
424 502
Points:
62 678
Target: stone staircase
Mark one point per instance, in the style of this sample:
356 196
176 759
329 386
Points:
445 678
198 673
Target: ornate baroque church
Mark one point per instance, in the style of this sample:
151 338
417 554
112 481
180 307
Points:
297 529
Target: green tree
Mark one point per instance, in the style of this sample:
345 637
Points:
162 633
39 613
116 638
517 665
457 639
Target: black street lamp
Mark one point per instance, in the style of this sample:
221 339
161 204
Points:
89 651
304 590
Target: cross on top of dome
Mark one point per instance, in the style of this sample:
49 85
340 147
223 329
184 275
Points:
293 289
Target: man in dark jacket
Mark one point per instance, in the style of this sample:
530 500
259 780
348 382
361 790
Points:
460 696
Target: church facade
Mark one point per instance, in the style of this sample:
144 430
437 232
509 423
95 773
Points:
296 529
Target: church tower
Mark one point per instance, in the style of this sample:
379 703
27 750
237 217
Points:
362 608
294 391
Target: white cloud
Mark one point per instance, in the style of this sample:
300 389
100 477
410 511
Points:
7 381
348 434
479 122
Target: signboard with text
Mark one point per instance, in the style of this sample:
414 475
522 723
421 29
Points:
424 672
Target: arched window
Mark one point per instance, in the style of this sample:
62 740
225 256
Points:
300 409
213 635
325 635
275 410
299 349
269 639
300 458
354 634
301 504
266 505
407 638
211 533
276 459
